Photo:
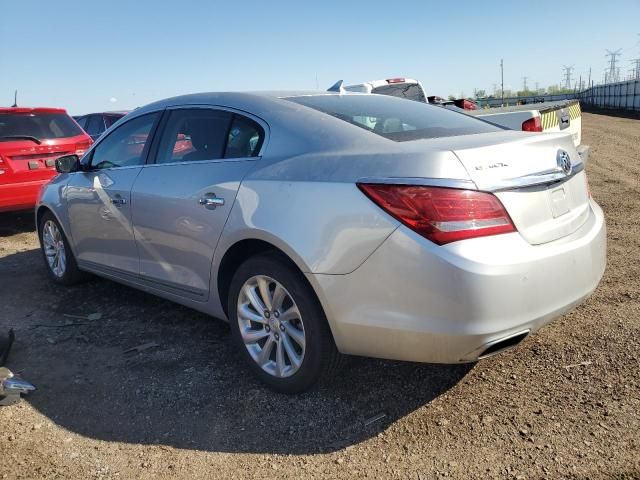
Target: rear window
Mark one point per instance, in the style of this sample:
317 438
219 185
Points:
39 125
394 118
410 91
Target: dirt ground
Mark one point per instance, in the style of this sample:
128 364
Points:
565 403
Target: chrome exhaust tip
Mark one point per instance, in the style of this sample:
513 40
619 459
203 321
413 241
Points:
502 344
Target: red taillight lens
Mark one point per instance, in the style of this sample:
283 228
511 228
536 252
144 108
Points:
442 215
532 125
82 147
395 80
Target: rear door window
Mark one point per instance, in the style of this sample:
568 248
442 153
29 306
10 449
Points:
245 138
95 125
194 134
42 126
82 121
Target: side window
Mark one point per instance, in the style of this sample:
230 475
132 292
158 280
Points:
126 146
82 121
245 138
194 134
95 125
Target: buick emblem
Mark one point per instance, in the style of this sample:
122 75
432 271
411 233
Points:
564 162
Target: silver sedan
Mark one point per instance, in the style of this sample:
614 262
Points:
320 223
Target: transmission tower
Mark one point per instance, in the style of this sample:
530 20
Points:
635 72
613 75
567 75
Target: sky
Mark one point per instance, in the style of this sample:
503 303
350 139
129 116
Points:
120 54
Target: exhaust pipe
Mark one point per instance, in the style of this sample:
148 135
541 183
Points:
502 344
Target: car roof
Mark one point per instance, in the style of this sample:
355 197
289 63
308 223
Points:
31 110
257 102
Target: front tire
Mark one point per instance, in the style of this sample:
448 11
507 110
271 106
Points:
278 325
58 258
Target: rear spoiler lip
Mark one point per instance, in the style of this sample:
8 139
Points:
546 177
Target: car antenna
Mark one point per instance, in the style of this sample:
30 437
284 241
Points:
15 99
337 87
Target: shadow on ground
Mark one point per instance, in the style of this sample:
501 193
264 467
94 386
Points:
191 390
18 222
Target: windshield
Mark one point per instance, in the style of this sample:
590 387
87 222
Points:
38 125
396 119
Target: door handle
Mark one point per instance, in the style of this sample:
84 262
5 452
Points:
210 201
118 201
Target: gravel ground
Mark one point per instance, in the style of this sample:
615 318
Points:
565 403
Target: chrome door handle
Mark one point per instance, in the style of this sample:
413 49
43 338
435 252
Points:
210 201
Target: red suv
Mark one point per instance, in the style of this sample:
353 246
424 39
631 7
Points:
31 139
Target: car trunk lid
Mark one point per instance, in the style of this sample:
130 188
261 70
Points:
525 172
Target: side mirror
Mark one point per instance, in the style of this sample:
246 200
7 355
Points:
68 164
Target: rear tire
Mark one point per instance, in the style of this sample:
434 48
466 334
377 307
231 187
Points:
59 260
288 345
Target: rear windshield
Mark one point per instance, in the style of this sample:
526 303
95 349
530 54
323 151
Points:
396 119
39 125
410 91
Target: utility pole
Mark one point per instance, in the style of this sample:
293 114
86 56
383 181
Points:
524 84
613 74
567 76
537 87
502 81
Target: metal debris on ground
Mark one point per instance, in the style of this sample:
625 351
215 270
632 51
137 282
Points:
581 364
375 418
142 348
12 388
91 316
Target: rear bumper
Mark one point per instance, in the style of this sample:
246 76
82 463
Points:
412 300
20 196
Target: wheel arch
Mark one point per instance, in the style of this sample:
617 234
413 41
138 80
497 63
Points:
237 253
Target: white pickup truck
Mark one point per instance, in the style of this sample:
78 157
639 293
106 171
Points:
560 116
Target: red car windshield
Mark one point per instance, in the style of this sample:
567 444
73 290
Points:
37 125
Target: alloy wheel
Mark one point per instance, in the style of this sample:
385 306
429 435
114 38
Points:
271 326
54 248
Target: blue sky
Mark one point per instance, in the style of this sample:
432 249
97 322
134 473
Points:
117 54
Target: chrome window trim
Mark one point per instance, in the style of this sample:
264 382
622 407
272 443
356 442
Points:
200 162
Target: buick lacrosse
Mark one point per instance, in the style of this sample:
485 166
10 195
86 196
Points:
321 223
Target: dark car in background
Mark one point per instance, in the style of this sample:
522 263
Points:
95 124
31 139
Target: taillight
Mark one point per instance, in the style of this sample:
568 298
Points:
82 147
2 170
395 80
442 215
532 125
